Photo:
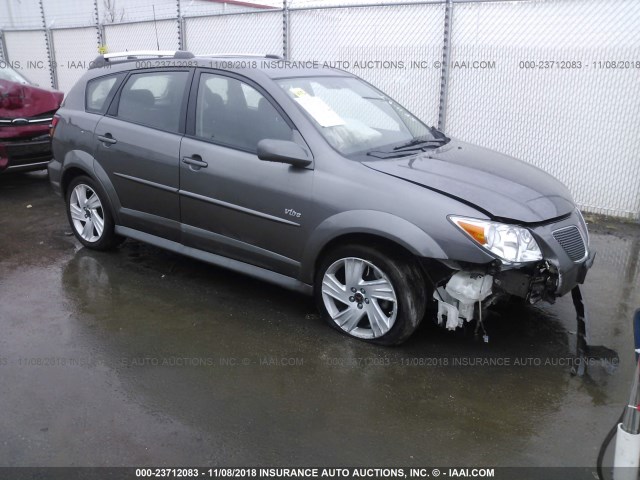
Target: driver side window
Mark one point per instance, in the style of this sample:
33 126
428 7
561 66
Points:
235 114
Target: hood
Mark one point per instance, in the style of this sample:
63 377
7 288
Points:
18 100
501 186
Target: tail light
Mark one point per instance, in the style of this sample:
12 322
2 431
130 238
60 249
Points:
54 122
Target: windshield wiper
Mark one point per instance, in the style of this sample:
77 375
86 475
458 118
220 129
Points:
419 143
381 154
422 143
437 139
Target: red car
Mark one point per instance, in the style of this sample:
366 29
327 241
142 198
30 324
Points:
26 112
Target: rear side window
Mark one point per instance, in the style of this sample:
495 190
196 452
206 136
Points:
153 99
99 91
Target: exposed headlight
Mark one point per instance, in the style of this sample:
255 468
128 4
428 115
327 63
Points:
511 243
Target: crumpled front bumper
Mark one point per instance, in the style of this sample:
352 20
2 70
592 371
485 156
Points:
567 259
584 268
570 270
460 293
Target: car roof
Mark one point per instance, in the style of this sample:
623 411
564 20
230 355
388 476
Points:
272 66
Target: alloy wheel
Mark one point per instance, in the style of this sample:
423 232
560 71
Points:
359 297
87 214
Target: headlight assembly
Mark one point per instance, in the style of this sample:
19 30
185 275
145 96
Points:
511 243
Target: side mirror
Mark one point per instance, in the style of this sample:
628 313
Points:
283 151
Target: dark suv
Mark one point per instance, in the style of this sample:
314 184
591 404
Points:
26 111
312 179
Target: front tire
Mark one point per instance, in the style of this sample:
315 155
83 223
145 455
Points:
89 214
370 295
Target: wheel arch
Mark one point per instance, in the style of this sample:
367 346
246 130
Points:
76 163
68 175
369 228
79 162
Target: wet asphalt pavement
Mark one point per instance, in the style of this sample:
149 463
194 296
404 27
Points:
142 357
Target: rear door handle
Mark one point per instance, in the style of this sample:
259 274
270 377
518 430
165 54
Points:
107 139
195 160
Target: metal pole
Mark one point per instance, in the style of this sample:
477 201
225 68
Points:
183 32
181 45
99 32
631 418
3 47
103 37
48 38
626 461
446 59
285 29
52 62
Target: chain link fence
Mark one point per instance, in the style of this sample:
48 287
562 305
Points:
73 48
553 82
27 53
549 93
237 32
381 45
158 35
2 48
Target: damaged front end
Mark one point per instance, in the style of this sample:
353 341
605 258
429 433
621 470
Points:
531 282
26 112
534 262
458 298
465 293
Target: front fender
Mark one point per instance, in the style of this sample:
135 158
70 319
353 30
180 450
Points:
372 222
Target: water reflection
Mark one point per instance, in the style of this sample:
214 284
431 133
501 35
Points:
210 348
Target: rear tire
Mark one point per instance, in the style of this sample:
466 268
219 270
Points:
89 213
370 295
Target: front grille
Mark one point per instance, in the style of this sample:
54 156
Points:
571 241
38 120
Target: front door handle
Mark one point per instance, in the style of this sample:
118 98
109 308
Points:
107 139
195 160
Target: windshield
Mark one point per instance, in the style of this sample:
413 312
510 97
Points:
353 116
9 74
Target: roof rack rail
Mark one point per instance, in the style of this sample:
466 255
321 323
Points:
261 55
103 60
